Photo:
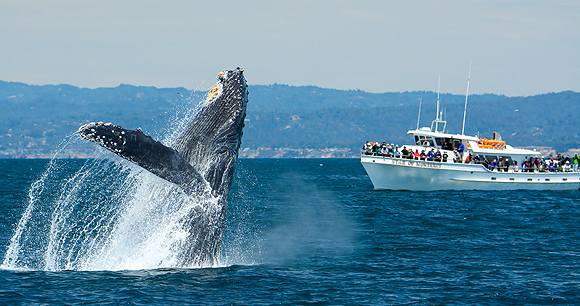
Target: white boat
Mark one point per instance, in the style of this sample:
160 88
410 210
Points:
395 172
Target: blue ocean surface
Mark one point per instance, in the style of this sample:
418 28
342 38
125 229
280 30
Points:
299 231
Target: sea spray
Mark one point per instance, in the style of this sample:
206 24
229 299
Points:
29 233
87 210
108 215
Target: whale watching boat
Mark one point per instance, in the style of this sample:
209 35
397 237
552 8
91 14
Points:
441 161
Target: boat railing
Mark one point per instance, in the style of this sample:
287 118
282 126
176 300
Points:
510 168
399 155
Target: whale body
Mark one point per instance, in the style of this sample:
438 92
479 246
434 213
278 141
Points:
201 161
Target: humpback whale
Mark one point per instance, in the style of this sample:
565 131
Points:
201 161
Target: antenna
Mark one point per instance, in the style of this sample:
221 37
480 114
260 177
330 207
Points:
437 115
466 95
419 117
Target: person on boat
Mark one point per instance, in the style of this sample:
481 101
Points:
376 148
493 165
457 158
404 151
430 155
528 165
384 150
461 148
506 165
437 155
543 165
476 159
515 166
395 150
567 164
445 156
560 162
373 147
551 166
423 156
576 159
469 159
417 155
368 148
485 162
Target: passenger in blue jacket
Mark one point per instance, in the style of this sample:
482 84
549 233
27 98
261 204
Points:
460 149
493 165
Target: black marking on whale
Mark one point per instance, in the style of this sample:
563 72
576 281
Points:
201 160
146 152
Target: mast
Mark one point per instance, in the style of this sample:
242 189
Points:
437 115
419 117
466 95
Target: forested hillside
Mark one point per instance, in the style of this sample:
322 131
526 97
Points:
283 120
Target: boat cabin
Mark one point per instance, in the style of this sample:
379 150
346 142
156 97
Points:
486 148
444 141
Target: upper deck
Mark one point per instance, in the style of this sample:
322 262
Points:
473 144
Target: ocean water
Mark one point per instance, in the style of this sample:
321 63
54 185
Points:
299 231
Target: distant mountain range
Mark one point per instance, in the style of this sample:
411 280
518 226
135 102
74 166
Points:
282 120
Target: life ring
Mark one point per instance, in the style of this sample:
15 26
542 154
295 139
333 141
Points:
491 144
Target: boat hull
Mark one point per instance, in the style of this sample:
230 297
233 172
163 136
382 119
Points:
404 174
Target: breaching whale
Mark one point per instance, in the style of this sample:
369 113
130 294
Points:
201 161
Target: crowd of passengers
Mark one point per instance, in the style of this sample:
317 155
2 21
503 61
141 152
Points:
559 163
391 150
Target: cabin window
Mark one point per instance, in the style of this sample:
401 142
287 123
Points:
490 158
420 140
456 143
448 144
444 143
509 158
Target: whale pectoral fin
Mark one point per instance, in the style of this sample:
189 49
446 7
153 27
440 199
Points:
146 152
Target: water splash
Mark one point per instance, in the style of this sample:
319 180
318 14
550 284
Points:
108 215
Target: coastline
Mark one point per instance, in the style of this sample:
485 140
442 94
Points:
245 153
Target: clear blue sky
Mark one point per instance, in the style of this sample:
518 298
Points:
518 47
